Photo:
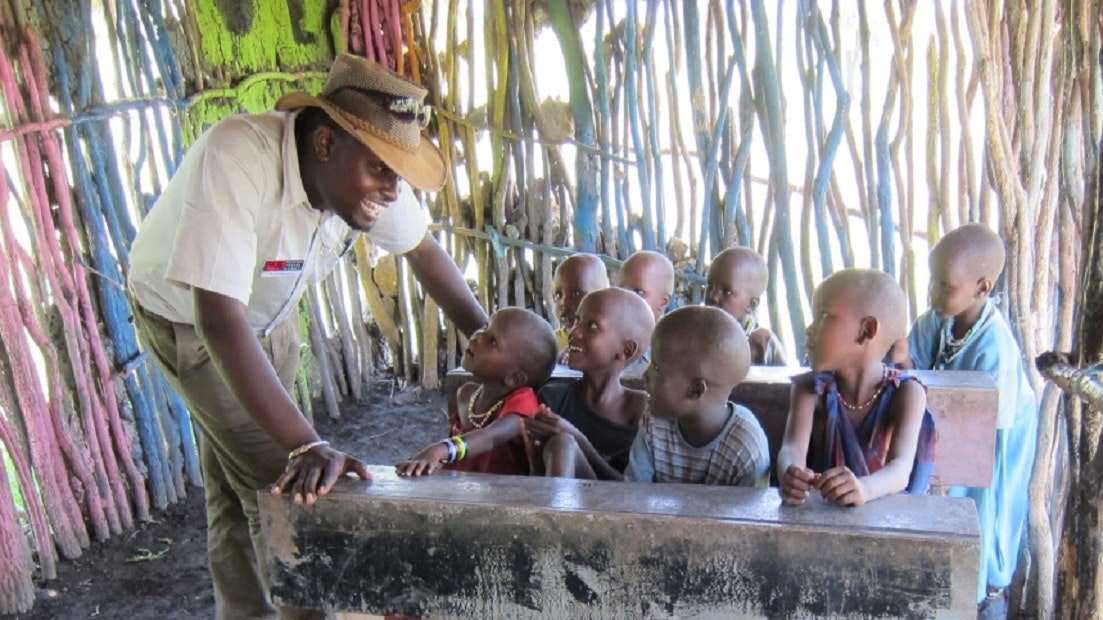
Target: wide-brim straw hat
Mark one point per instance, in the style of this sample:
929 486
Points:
383 110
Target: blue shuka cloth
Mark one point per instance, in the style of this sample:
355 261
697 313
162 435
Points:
863 449
991 347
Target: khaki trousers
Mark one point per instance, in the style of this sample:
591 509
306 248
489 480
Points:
238 458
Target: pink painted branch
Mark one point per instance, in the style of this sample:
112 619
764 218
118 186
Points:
366 32
374 30
68 526
82 464
102 365
393 23
40 526
29 128
55 264
355 32
16 587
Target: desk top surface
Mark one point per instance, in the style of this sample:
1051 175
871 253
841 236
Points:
895 515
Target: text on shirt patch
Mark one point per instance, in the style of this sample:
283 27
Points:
281 267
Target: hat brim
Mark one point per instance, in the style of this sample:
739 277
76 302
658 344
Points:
422 167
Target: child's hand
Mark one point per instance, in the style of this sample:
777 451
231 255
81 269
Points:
546 423
535 456
795 483
423 463
841 487
900 354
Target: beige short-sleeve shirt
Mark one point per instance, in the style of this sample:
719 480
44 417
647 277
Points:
236 220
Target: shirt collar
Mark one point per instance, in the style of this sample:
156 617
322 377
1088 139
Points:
294 194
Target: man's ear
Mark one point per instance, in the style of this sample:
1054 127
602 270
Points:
516 379
628 349
697 389
869 328
666 302
753 305
323 141
984 287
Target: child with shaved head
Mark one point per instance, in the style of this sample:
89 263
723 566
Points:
857 430
575 277
511 357
965 330
585 427
651 276
737 279
692 432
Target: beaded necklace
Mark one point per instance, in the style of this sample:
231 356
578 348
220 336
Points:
479 419
872 399
949 347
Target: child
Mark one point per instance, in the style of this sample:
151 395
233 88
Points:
737 279
510 357
693 433
651 276
964 330
585 427
862 427
576 277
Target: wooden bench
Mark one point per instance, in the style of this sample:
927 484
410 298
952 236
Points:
485 546
964 405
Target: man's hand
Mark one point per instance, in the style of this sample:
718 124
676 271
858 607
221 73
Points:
312 474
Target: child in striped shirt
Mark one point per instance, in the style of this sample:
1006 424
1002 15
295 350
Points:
692 433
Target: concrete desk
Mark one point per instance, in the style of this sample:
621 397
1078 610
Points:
487 546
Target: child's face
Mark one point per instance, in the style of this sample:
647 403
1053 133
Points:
952 289
834 331
643 283
492 352
595 341
668 386
728 291
570 284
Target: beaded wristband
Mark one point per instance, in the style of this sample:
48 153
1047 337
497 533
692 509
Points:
451 450
461 446
306 447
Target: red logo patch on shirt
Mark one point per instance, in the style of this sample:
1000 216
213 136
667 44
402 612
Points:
281 267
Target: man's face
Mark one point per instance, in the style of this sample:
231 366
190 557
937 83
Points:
354 183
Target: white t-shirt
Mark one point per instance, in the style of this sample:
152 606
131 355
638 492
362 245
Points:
236 220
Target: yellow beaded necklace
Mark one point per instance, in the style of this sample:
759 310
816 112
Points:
872 399
479 419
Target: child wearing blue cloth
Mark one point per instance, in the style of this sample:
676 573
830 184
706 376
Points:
964 330
863 428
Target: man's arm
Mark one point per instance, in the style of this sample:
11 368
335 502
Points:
236 352
440 276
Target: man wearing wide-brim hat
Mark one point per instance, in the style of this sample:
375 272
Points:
261 207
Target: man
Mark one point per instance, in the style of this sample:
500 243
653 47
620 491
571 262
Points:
261 207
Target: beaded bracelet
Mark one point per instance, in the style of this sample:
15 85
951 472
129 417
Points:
461 447
451 450
306 447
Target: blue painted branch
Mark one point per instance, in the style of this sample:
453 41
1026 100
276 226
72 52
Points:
632 105
601 86
772 119
659 204
586 164
834 137
713 161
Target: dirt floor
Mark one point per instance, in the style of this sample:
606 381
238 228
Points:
159 570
